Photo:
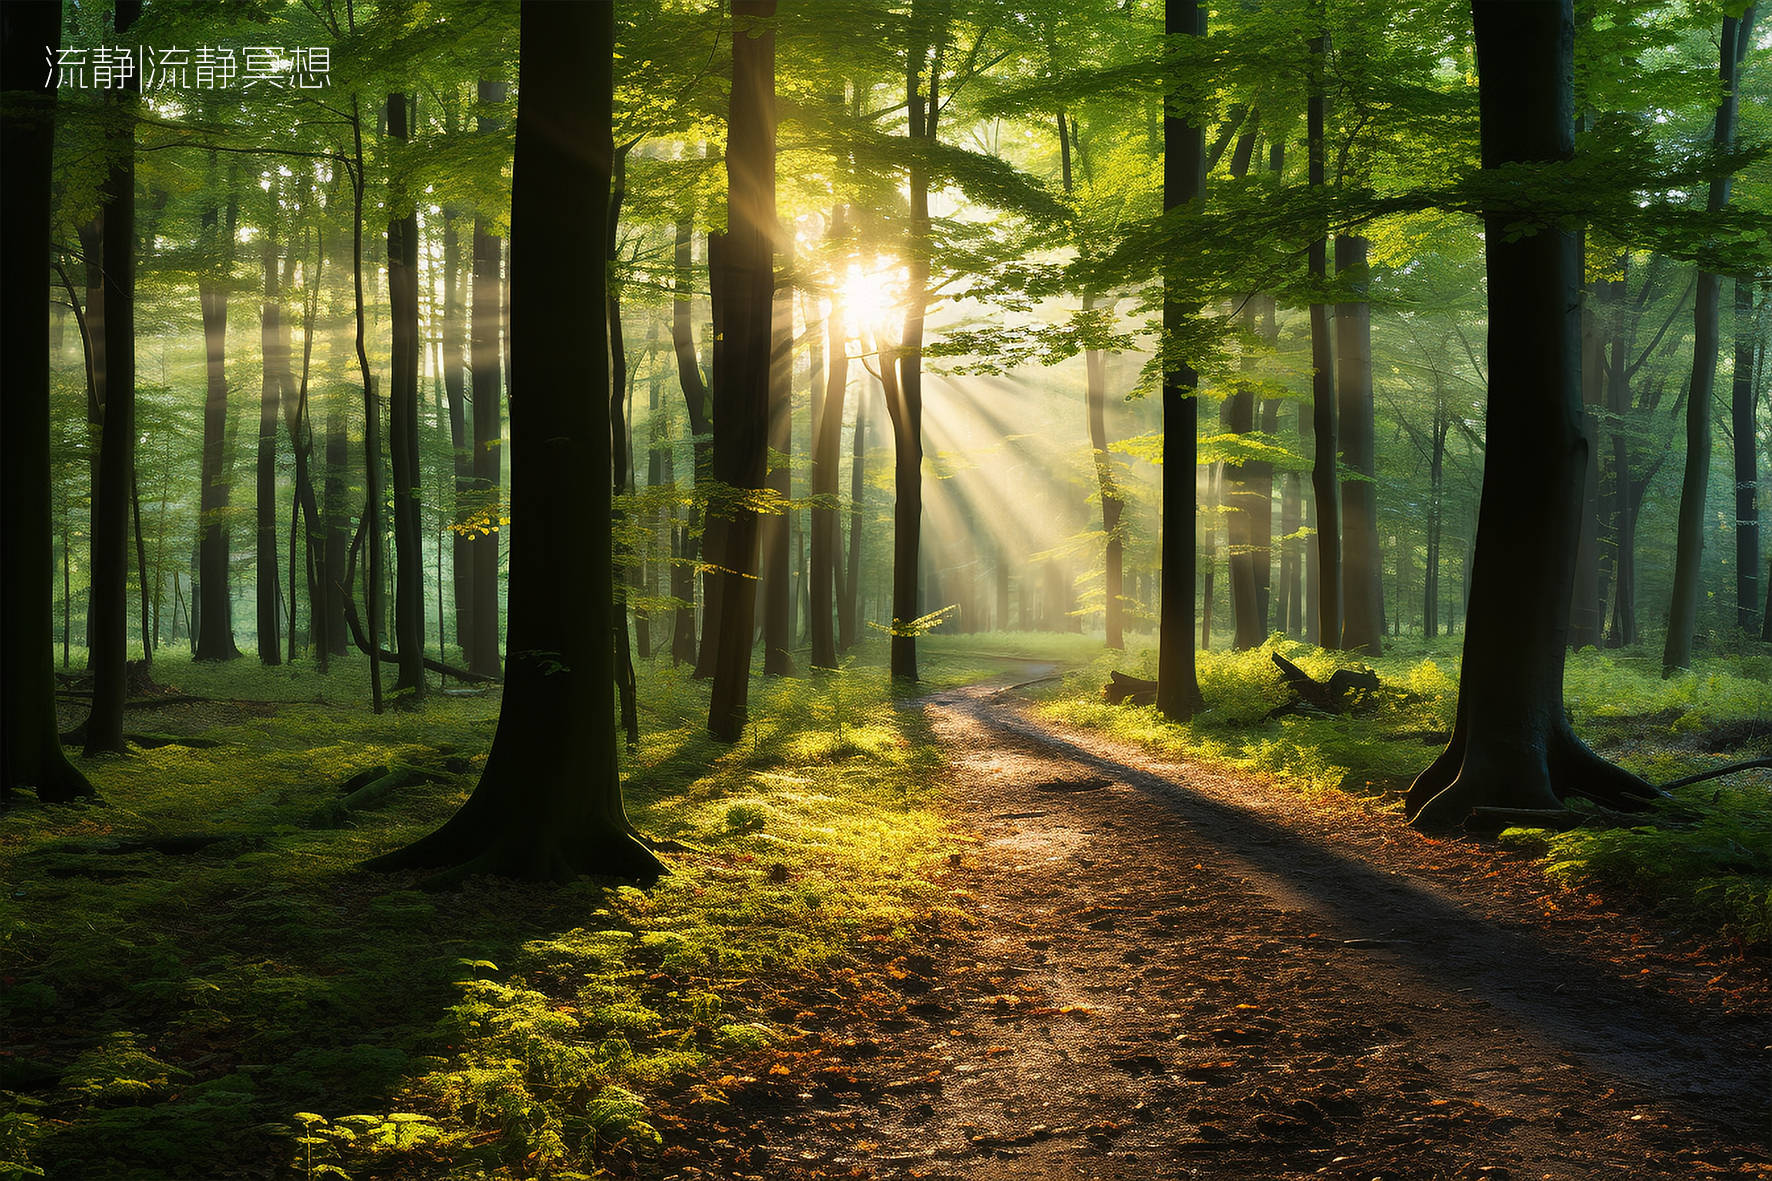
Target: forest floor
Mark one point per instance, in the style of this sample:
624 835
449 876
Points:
1168 970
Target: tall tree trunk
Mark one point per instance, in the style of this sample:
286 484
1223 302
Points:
30 750
461 441
1512 745
372 496
777 584
1113 506
109 640
1362 593
265 486
548 805
1747 476
481 642
1689 551
691 541
827 448
743 280
409 573
215 632
1325 480
1214 478
1289 615
1584 612
1184 181
336 516
92 251
620 468
904 392
849 596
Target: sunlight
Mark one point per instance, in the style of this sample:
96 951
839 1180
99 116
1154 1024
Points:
871 297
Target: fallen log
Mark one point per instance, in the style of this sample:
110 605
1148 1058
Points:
1122 689
436 666
1346 690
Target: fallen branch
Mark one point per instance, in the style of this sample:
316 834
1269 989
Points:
1346 690
362 642
1122 689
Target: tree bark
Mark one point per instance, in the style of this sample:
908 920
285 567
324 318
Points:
1184 179
691 541
108 642
31 754
1689 550
548 805
1325 481
827 447
1747 476
1362 591
265 485
849 594
484 364
775 566
620 469
743 282
1512 746
455 390
409 574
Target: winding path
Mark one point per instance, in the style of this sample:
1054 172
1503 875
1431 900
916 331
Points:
1172 972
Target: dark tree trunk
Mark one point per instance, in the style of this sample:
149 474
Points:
690 541
265 485
849 595
1584 612
1209 546
1512 746
777 583
1184 179
1362 589
31 755
337 517
372 498
481 642
904 387
1325 480
1689 553
548 805
620 469
1112 506
108 639
1289 617
743 280
827 448
409 573
92 250
1747 475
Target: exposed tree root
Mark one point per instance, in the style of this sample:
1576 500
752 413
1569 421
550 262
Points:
1528 777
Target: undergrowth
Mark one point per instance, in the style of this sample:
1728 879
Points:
259 1006
1705 860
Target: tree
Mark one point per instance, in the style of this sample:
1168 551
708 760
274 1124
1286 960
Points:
1325 481
483 359
1512 746
409 581
215 611
1362 590
265 484
548 805
109 643
1688 575
743 280
30 750
1184 179
827 451
1747 478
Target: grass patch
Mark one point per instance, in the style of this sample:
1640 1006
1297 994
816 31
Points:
258 1005
1705 860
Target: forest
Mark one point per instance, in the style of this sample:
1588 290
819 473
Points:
1088 589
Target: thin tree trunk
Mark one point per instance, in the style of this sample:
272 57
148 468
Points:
409 573
827 447
620 468
1184 181
1747 476
849 598
1689 553
371 422
481 642
1362 592
1325 480
775 567
265 486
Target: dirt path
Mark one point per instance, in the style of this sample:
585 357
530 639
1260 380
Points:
1174 973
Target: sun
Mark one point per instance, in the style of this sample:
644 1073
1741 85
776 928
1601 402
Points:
869 296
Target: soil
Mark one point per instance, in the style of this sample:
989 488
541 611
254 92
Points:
1170 971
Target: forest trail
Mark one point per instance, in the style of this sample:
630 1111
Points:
1174 972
